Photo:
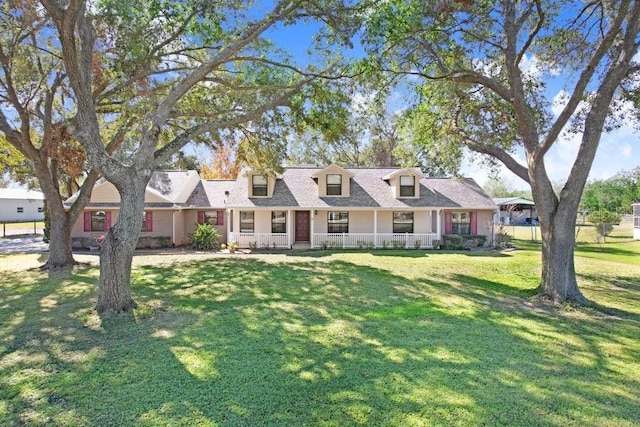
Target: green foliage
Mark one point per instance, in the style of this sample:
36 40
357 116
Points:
604 221
205 237
497 186
14 166
615 194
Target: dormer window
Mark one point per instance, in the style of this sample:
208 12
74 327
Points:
259 186
407 186
334 185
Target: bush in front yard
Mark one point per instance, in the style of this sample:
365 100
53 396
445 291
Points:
463 241
205 238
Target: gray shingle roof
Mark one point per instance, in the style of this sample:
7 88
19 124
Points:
210 193
171 184
297 188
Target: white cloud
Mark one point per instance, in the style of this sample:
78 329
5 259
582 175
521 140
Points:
626 150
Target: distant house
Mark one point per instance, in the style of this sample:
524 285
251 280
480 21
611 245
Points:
310 207
636 221
21 205
516 211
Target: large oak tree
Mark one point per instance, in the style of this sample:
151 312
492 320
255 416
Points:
193 69
481 69
36 109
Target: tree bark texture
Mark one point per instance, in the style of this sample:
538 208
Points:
60 253
559 282
118 247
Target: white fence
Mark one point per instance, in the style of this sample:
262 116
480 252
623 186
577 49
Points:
339 240
373 240
260 240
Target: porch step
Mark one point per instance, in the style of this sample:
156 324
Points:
301 246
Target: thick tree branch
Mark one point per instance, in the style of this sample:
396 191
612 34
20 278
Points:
585 77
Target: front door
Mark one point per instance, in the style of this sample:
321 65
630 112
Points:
302 226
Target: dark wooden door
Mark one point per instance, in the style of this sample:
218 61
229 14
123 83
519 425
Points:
302 226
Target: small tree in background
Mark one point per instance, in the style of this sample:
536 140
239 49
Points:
604 222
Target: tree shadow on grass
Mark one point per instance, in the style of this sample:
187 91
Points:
605 249
397 253
243 341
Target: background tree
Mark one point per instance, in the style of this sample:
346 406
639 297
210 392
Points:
194 70
224 162
498 186
604 221
36 108
615 194
14 167
472 62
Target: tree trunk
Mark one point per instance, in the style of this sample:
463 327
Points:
60 220
559 282
116 253
60 253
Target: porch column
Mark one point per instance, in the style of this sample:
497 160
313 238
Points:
375 227
290 228
439 224
229 225
312 226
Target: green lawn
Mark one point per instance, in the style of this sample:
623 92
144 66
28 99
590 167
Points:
331 339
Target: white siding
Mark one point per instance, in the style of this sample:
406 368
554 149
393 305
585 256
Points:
9 210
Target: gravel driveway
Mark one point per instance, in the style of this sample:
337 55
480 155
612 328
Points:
26 244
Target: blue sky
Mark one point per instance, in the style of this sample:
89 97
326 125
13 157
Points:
619 150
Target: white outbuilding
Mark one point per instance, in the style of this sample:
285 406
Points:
636 221
17 205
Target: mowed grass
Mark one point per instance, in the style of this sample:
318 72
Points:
404 338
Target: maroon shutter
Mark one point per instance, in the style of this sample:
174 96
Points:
200 217
474 223
447 223
149 220
220 217
107 220
87 221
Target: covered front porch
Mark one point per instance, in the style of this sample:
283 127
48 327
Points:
347 228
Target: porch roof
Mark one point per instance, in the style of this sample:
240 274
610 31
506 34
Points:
297 188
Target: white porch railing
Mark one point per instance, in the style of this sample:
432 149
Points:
373 240
339 240
260 240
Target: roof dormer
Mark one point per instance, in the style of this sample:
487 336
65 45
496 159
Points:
259 184
333 181
405 183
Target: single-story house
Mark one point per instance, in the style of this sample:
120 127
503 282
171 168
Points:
636 221
175 202
516 211
308 207
18 205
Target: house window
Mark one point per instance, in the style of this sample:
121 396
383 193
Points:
403 222
147 221
334 185
460 223
407 186
246 222
259 185
98 220
144 221
212 217
20 209
337 222
278 222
